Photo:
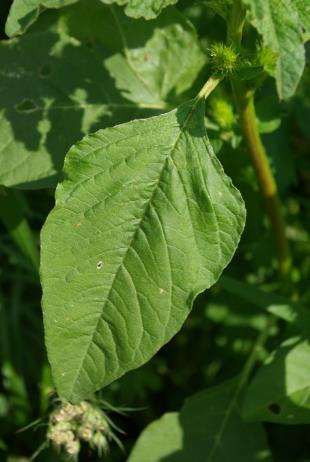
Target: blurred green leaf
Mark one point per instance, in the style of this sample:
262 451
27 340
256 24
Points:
279 24
208 428
23 13
2 445
3 406
18 459
280 390
152 73
301 105
147 9
53 94
268 112
281 156
221 7
159 440
13 217
15 387
279 306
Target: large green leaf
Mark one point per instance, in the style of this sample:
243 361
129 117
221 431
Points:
23 13
144 221
280 25
152 72
147 9
280 391
53 94
159 440
208 429
221 7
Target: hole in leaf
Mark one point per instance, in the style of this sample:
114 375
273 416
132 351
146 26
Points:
27 105
99 264
45 71
274 408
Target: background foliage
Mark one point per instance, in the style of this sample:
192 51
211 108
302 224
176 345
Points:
69 68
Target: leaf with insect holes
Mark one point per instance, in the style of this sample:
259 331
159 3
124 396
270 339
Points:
280 25
120 69
285 400
23 13
208 428
144 221
147 9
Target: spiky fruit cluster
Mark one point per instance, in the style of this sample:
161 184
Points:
224 59
69 425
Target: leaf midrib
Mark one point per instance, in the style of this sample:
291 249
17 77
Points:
77 375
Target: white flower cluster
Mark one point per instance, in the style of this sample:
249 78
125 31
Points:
71 424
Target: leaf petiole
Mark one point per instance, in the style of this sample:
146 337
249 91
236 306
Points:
209 86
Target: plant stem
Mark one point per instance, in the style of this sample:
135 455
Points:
245 104
235 24
209 86
257 347
242 381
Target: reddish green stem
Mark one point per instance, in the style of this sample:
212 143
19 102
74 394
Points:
245 104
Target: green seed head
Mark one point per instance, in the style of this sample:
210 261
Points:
70 424
101 443
73 448
224 59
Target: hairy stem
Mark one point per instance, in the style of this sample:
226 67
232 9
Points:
245 104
